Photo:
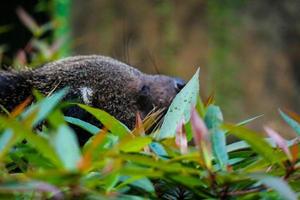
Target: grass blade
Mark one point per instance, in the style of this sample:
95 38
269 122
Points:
110 122
291 122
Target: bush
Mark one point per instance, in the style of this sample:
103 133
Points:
186 158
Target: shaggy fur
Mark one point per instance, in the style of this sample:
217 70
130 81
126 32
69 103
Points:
99 81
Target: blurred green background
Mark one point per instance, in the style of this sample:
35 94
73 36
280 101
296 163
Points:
248 51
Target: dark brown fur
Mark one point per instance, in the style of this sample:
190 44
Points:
112 85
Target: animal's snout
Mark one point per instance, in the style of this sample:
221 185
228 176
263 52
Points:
179 84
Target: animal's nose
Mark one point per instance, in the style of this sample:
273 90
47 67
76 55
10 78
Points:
179 84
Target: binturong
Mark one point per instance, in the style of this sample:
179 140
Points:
94 80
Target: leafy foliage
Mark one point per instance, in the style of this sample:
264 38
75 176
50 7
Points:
41 47
188 158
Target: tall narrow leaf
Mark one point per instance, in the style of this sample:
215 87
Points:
277 184
201 138
291 122
180 107
45 106
110 122
82 124
67 147
180 139
7 140
256 142
213 120
281 142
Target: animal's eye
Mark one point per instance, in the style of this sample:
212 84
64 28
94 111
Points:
145 90
179 84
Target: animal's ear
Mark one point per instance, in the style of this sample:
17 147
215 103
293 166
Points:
145 100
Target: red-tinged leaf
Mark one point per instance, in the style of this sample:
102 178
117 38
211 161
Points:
86 160
20 59
180 138
281 142
295 152
201 138
256 142
210 99
200 131
19 109
229 168
293 115
139 128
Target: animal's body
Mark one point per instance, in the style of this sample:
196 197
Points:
99 81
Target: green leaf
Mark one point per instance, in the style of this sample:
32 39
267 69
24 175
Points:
200 107
144 184
158 149
218 140
5 139
111 181
277 184
66 146
23 132
256 141
84 125
43 146
188 180
189 131
237 146
243 145
291 122
110 122
45 106
180 108
213 119
134 144
130 197
136 181
37 186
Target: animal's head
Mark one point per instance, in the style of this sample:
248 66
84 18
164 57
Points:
158 91
123 96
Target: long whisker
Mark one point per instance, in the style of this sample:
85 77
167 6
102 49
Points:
153 62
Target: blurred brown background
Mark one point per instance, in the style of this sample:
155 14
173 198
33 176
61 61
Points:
248 51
